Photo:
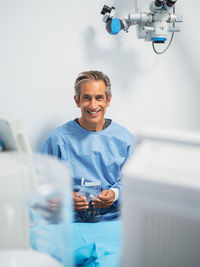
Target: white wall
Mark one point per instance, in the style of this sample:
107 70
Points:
44 44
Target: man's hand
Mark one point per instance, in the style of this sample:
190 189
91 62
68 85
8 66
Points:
54 203
80 202
104 200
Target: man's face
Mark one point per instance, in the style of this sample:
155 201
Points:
93 104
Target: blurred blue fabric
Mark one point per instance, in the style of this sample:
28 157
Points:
95 244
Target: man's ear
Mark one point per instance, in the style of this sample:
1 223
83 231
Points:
108 101
76 101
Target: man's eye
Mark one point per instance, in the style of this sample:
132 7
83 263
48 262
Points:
86 98
99 98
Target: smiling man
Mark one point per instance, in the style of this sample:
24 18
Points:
93 147
93 103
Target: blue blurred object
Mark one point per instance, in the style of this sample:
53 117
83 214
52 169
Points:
1 146
95 244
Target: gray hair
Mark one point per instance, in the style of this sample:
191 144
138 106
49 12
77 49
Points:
87 76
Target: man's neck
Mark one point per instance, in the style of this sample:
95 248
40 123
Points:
91 126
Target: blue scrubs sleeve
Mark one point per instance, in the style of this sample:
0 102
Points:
118 183
51 147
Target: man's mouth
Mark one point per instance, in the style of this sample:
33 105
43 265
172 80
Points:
93 112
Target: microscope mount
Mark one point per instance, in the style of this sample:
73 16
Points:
152 26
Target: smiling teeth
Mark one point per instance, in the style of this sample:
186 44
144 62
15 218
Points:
93 112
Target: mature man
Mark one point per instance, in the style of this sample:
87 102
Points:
93 147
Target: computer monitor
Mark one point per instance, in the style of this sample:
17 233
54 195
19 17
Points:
14 182
161 196
12 134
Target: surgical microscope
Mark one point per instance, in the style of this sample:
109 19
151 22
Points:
151 26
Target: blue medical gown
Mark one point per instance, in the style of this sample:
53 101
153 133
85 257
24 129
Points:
92 245
99 155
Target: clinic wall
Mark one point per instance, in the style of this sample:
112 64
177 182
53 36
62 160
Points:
46 43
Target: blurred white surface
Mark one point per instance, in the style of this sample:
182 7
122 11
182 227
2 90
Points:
24 258
35 209
160 209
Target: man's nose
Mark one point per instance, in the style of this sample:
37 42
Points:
93 104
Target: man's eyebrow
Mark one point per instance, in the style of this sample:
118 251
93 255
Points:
99 96
85 95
